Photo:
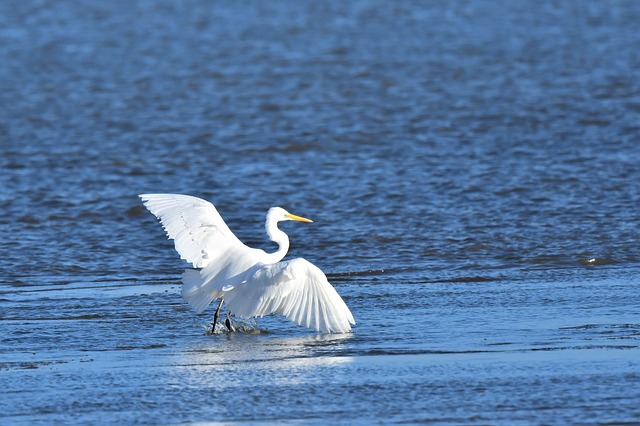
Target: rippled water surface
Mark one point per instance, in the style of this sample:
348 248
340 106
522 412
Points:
472 169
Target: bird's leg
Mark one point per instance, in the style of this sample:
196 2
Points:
216 315
227 322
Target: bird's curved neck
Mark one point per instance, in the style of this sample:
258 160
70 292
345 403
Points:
280 238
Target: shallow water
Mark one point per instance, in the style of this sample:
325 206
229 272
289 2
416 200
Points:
471 169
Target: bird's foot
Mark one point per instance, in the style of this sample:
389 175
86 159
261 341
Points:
228 323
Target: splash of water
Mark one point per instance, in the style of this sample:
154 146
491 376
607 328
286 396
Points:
233 325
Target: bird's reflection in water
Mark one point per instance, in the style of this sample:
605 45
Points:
259 346
226 361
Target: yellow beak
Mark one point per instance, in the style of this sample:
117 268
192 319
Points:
298 218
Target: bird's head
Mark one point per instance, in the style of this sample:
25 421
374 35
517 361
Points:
278 214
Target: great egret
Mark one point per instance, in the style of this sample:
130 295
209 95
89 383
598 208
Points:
251 282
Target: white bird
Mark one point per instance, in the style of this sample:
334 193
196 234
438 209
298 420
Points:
251 282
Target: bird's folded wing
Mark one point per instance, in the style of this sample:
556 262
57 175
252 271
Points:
296 289
199 232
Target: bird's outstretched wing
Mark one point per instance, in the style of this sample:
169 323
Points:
296 289
199 232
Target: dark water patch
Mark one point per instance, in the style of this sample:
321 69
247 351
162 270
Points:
150 346
597 261
608 331
476 279
67 287
60 318
29 220
586 347
560 260
29 365
136 211
382 352
337 276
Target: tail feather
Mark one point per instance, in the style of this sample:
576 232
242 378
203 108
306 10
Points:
195 291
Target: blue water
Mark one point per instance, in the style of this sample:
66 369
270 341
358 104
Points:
471 168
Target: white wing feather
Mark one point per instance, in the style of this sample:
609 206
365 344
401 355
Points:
250 287
199 232
296 289
202 238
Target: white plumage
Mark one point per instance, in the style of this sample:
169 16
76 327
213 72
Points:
252 283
